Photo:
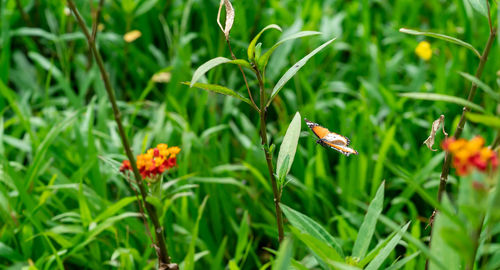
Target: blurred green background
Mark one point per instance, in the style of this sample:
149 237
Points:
60 151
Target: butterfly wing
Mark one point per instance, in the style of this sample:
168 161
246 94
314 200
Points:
338 147
318 130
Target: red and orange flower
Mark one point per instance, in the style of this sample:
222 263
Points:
155 161
471 154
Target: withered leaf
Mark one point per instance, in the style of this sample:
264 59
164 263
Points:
229 17
435 126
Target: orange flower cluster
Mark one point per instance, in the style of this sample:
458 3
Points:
470 154
156 161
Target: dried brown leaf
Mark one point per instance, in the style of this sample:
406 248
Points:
229 17
435 126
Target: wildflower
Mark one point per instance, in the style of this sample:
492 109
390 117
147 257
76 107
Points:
471 154
424 50
132 35
155 161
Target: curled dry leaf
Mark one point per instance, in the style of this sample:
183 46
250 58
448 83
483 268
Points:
229 17
435 126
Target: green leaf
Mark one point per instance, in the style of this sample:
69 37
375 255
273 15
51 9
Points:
309 226
219 89
481 85
444 98
114 208
288 147
282 171
447 254
369 224
243 234
34 32
399 264
251 46
293 70
442 37
285 255
190 257
265 57
386 251
9 253
144 7
479 6
321 248
487 120
213 63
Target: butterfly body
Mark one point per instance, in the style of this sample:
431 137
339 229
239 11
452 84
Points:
330 139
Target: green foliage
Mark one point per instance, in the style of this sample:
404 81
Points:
64 204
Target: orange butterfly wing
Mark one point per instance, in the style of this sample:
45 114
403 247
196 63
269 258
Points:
338 143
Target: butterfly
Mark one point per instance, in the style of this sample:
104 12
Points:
331 139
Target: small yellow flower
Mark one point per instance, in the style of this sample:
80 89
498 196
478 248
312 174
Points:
424 50
132 35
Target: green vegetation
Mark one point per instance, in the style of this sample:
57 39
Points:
251 189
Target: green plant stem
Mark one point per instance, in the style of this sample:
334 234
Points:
479 72
161 248
269 158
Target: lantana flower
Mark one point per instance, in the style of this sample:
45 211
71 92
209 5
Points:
424 50
471 154
155 161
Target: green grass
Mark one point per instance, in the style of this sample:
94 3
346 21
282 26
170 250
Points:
64 204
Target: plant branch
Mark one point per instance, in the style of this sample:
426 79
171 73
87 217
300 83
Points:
269 158
479 72
447 159
97 18
244 77
164 259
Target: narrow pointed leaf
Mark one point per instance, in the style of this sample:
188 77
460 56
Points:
293 70
444 98
190 257
369 224
251 46
442 37
213 63
285 255
479 6
218 89
288 146
306 224
321 248
481 85
265 57
386 251
487 120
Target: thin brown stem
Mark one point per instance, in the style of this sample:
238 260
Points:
479 72
269 158
163 258
97 18
244 77
489 15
